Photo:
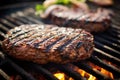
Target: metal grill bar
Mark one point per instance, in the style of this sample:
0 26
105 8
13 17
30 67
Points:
89 69
41 70
101 40
107 49
101 63
69 71
26 75
115 22
106 56
21 71
6 23
32 19
2 27
4 74
115 26
13 21
107 37
2 35
114 33
29 18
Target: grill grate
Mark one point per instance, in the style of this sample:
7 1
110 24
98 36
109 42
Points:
107 47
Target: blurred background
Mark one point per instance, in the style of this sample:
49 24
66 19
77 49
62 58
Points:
6 2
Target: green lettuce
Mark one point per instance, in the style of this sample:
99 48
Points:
40 8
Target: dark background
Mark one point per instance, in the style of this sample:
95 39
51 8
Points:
6 2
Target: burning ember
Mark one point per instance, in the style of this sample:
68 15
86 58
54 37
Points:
61 76
103 71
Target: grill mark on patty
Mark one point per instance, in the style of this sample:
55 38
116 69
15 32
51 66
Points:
60 48
95 19
14 32
61 42
20 32
68 21
79 44
20 35
86 21
26 35
24 31
84 17
58 32
37 45
34 38
45 34
75 42
104 22
89 17
81 15
22 39
52 44
98 17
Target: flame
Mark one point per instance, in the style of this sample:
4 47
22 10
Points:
71 78
86 75
102 70
60 76
109 74
92 77
95 67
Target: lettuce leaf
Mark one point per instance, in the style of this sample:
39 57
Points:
64 2
40 8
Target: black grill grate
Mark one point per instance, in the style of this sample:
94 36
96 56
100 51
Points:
107 45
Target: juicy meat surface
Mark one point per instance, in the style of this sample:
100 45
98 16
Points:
92 21
48 43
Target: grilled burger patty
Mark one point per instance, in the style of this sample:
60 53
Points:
48 43
92 21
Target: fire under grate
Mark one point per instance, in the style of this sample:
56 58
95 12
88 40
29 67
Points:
104 64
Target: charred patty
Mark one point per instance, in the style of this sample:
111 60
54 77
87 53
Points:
48 43
93 21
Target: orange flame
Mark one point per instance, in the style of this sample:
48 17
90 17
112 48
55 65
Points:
60 76
86 75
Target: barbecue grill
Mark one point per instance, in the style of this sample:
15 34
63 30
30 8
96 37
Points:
106 53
